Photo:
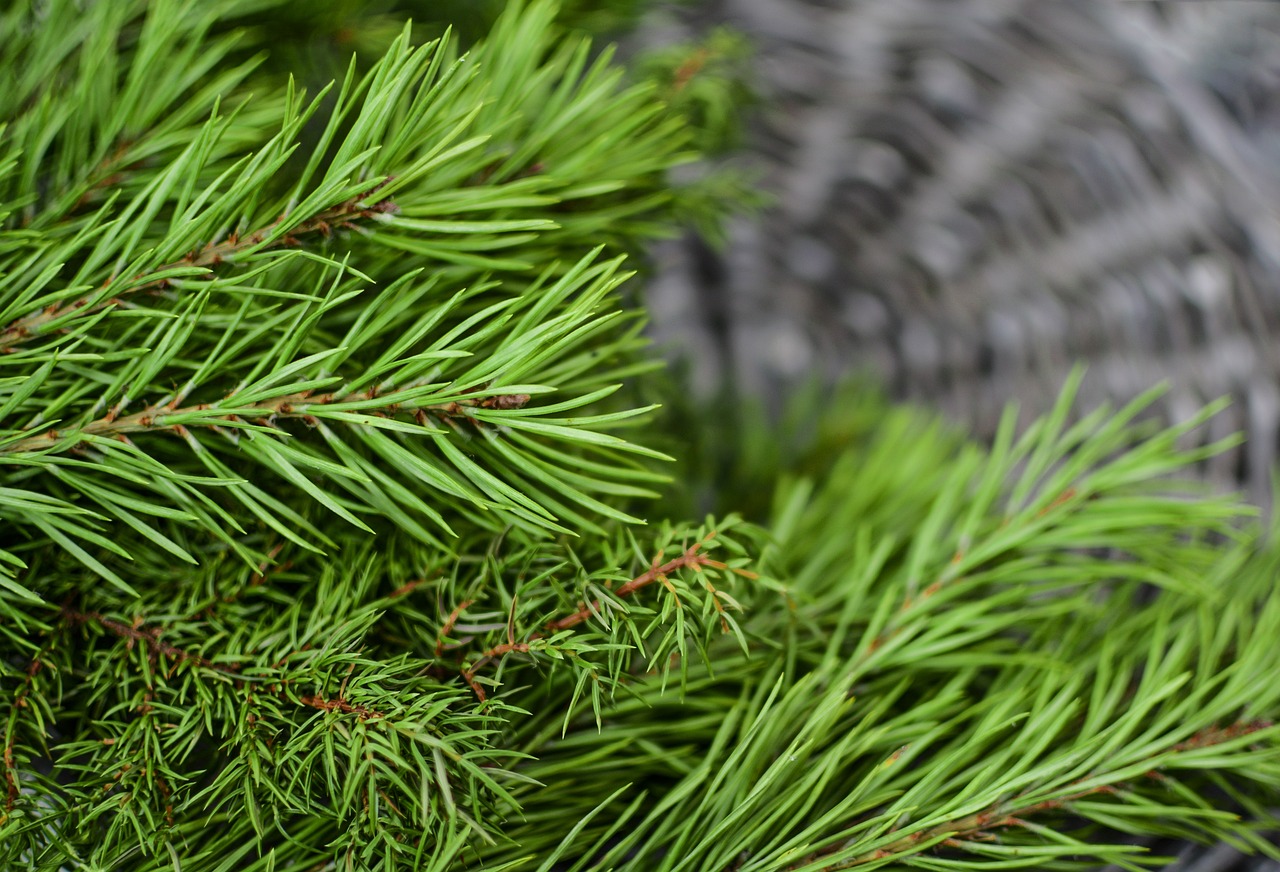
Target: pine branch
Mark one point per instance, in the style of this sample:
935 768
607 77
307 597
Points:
301 406
691 558
348 215
135 633
979 832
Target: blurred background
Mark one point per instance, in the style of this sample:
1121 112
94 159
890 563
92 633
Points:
971 196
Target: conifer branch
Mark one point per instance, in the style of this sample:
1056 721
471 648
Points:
347 216
150 638
305 406
692 557
982 826
137 633
20 706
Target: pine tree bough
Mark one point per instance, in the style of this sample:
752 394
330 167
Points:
344 216
386 601
299 406
690 559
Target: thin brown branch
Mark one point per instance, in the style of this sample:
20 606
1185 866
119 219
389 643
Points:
689 68
10 739
407 588
470 678
290 407
134 634
339 705
150 638
268 567
11 788
469 674
973 828
343 215
449 624
1211 736
167 794
690 558
20 704
10 777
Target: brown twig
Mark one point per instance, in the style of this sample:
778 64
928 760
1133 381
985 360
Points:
339 705
19 703
10 779
689 68
449 624
469 673
136 633
1211 736
292 406
692 557
268 567
407 588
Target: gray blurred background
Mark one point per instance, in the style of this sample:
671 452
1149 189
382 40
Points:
970 196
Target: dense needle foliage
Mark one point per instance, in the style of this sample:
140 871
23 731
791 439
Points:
323 485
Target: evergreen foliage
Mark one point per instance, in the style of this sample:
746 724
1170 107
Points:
321 491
